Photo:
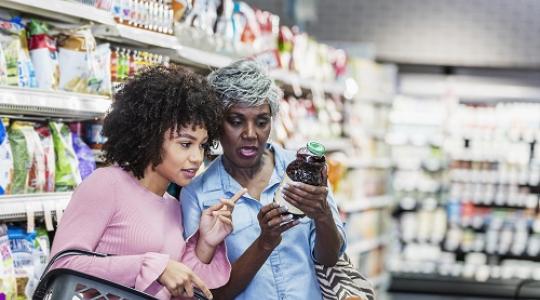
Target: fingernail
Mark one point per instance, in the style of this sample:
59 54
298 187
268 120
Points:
289 217
275 204
286 186
284 209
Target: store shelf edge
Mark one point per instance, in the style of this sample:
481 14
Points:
367 245
16 206
66 11
61 104
367 203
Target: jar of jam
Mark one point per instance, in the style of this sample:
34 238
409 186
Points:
308 168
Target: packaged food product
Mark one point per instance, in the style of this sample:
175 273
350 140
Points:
87 162
308 168
180 7
93 135
67 175
21 244
50 159
3 67
43 53
8 286
100 81
40 253
6 161
20 71
28 158
76 56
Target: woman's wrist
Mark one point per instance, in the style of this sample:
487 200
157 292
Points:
205 250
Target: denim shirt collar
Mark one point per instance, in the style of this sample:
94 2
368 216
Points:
217 178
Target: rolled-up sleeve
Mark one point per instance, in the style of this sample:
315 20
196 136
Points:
339 225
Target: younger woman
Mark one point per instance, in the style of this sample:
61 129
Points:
161 123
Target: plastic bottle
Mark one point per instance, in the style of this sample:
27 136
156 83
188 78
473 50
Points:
308 168
114 64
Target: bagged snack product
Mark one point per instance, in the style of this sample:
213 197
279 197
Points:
8 287
28 158
67 175
20 71
3 67
75 56
21 244
87 162
6 161
43 53
49 157
40 252
100 81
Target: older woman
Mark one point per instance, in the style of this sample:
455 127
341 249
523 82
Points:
272 255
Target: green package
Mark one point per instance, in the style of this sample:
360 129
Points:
21 158
67 164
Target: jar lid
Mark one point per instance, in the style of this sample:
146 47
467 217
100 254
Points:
316 148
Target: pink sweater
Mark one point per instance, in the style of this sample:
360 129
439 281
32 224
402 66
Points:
110 212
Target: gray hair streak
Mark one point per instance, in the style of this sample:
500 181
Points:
245 82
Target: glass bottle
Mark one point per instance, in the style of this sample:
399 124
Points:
308 168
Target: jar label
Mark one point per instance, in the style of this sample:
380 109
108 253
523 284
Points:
278 198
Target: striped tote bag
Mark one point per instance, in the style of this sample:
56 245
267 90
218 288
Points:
343 281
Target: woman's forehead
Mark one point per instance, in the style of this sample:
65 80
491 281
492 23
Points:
249 109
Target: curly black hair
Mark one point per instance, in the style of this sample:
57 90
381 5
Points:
154 101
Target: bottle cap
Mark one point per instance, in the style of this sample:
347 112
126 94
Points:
316 148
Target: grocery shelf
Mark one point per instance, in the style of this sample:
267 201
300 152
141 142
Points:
59 104
106 28
380 280
71 12
382 101
366 203
374 163
295 80
14 207
202 58
368 245
461 286
131 35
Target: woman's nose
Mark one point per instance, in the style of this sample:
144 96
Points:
249 132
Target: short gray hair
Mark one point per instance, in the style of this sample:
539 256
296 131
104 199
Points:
245 82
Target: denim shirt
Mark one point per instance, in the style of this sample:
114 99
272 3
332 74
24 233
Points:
289 272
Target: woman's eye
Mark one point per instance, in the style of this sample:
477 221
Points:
235 122
262 123
185 145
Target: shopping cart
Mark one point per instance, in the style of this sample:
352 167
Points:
67 284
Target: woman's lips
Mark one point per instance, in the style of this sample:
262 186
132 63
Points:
248 151
189 173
